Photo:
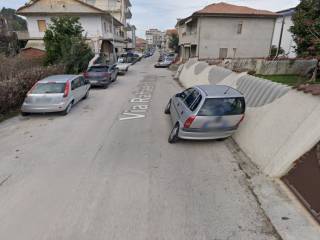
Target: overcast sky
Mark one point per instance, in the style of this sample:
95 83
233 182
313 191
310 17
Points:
162 14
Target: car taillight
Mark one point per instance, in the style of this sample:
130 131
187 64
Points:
242 118
66 89
189 121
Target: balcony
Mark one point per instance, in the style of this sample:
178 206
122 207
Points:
188 38
128 13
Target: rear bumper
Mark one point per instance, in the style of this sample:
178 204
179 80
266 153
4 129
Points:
204 135
31 108
99 83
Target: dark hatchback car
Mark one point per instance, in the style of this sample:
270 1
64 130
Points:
101 75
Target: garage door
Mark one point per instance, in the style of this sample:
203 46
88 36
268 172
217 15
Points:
304 181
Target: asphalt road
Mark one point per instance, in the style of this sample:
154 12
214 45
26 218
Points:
106 171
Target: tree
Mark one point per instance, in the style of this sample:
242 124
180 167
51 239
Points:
66 45
15 23
174 41
306 30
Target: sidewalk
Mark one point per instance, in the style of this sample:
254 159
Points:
289 218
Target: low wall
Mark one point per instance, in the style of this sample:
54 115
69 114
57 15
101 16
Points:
269 67
281 124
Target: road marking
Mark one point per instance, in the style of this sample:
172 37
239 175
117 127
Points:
140 101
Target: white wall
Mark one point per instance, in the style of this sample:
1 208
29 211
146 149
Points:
92 25
287 43
254 41
274 135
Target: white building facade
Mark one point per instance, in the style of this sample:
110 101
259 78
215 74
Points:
223 30
154 37
282 27
102 30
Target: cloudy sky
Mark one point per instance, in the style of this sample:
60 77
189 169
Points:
162 14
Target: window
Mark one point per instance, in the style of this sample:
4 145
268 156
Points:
223 53
222 107
76 83
239 29
82 81
196 103
49 88
98 69
105 26
191 98
42 25
185 94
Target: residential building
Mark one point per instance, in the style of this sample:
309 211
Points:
226 31
101 29
169 33
154 37
282 35
120 9
131 37
141 44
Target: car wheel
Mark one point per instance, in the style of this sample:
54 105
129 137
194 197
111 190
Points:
174 135
167 109
115 78
24 114
105 86
67 110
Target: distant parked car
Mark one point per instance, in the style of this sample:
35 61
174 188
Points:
205 112
164 64
123 66
101 75
56 93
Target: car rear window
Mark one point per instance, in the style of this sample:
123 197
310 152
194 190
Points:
48 88
222 106
98 69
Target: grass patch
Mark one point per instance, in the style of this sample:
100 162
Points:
290 80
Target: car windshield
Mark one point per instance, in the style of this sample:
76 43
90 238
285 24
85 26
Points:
98 69
48 88
222 106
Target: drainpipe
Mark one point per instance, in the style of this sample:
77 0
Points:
280 39
199 32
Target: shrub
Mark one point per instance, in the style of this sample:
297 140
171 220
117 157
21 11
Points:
17 76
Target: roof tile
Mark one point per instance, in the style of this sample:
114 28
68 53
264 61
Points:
225 8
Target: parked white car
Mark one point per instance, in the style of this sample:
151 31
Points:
123 66
57 93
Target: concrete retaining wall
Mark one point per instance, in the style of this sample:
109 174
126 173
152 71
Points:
281 124
269 67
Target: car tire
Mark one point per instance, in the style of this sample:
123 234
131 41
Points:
105 86
174 135
167 109
24 114
68 109
115 78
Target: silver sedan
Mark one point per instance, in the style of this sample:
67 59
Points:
56 93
